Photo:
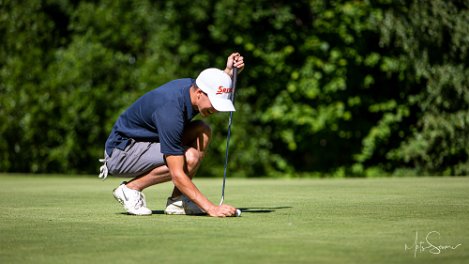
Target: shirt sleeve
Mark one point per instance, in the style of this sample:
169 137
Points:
170 125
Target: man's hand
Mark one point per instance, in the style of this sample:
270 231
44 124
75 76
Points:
223 210
234 60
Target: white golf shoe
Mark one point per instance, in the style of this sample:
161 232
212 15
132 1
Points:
182 205
132 200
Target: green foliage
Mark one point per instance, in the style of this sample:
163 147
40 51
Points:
25 106
432 46
341 88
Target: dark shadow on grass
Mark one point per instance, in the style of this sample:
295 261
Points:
261 210
249 210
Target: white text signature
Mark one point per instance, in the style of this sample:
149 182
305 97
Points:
428 245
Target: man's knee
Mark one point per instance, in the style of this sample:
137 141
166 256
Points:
193 157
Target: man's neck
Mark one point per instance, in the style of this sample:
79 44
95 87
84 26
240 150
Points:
193 95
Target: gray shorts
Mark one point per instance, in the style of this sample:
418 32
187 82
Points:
137 159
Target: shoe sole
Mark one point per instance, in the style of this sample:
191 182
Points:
170 213
176 212
179 213
183 211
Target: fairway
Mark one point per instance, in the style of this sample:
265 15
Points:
387 220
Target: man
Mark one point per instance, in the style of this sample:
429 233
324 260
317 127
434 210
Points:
155 141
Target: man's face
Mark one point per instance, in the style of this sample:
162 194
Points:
203 104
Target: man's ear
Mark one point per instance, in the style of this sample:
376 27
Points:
197 89
198 92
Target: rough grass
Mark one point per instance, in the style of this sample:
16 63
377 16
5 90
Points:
75 220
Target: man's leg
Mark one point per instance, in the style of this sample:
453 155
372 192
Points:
197 138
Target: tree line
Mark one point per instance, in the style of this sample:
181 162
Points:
331 88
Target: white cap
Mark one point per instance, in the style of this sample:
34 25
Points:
217 85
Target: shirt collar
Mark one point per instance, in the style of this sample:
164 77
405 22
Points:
190 112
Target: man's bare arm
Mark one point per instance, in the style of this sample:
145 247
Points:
182 181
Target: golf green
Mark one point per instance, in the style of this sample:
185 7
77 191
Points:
70 219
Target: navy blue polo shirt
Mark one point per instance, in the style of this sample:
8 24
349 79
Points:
158 116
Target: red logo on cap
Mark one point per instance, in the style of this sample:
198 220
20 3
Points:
222 89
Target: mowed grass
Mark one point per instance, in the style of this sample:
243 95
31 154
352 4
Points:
76 220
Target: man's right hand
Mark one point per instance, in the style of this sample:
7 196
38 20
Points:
223 210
